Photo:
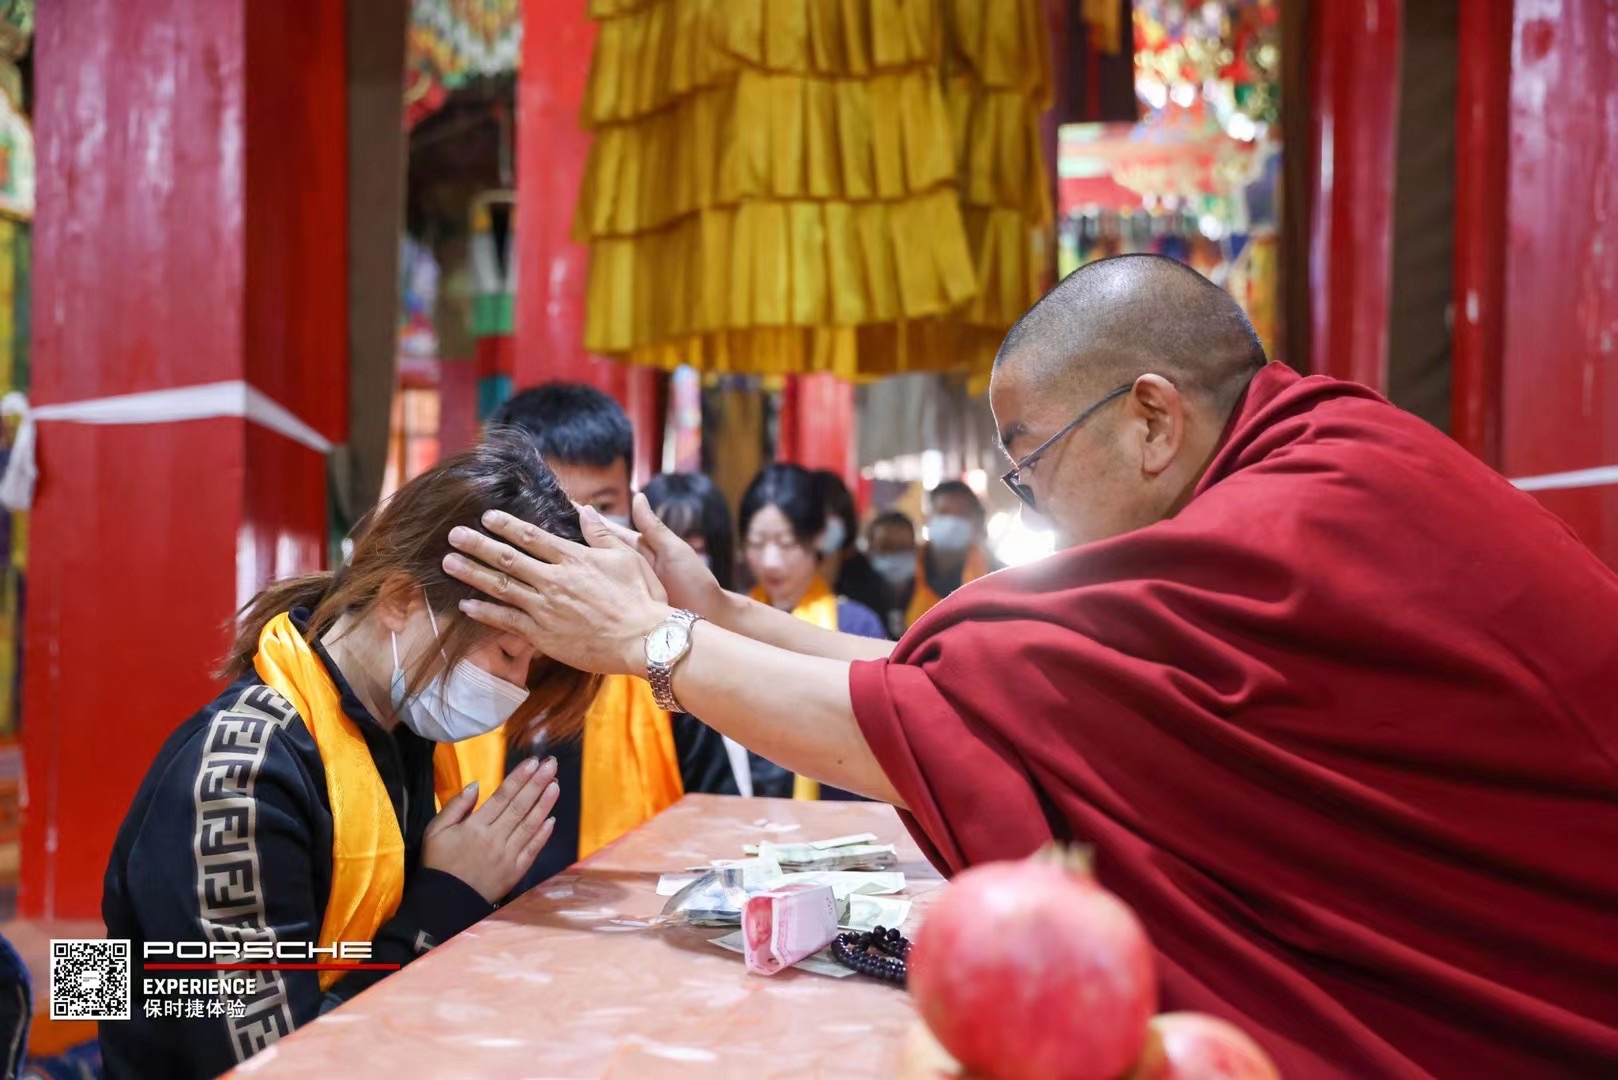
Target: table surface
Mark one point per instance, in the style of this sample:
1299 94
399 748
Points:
570 981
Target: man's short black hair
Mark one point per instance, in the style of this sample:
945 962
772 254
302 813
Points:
571 424
961 488
891 519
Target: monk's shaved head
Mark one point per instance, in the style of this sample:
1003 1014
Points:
1179 352
1117 318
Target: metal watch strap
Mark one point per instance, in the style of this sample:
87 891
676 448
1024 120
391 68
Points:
661 676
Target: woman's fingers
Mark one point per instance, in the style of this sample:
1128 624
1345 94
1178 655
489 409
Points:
528 536
524 798
530 851
454 812
514 782
523 831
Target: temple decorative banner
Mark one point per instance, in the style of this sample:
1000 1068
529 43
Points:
794 186
453 41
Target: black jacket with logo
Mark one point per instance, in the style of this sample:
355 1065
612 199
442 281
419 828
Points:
230 839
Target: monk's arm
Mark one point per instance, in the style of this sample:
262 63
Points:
791 708
763 623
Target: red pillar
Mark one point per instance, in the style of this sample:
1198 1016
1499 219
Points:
1559 377
816 428
1354 83
190 230
552 270
1483 87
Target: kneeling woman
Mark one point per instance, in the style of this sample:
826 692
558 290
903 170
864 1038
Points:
302 804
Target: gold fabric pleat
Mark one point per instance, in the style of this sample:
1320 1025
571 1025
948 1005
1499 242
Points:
795 186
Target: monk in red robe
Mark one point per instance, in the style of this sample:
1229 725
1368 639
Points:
1335 704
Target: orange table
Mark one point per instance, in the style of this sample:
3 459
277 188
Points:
568 981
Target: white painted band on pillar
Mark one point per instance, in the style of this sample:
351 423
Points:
1578 478
202 402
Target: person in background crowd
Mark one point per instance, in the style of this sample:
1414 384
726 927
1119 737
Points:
299 804
890 544
842 563
625 768
955 551
783 522
694 509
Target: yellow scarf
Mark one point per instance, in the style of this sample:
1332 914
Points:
922 597
367 848
818 606
629 771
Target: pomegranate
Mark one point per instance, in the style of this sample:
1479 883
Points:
1031 969
1191 1046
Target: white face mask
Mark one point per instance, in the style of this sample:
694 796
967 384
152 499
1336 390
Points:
620 520
950 532
834 536
459 704
896 567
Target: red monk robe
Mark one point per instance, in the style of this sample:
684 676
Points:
1343 732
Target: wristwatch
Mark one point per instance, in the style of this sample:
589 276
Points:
666 646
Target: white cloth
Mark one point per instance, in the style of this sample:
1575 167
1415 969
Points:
201 402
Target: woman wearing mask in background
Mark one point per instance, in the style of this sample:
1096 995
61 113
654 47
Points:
783 522
955 551
842 563
301 804
694 509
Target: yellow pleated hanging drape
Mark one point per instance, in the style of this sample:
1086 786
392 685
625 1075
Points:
788 186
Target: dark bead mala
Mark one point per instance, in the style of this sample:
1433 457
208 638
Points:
880 954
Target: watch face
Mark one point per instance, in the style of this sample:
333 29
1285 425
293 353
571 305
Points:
666 643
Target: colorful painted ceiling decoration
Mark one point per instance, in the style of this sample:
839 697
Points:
452 42
782 186
1226 53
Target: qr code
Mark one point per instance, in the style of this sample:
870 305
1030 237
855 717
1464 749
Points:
89 980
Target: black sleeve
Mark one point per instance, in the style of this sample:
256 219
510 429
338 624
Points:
226 852
436 906
235 846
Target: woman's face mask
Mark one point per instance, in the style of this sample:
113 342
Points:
834 536
457 704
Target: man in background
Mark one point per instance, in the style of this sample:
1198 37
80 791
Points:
625 767
955 551
890 545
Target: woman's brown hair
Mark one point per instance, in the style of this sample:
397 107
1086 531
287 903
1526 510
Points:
408 536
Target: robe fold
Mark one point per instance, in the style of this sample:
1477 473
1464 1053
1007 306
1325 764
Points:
1343 731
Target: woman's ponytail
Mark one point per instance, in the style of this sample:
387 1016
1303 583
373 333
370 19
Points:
307 591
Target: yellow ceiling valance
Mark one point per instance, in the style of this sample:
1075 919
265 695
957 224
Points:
780 186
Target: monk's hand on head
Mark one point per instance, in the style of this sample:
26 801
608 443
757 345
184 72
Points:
490 848
585 606
684 575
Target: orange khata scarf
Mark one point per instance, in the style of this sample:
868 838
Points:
629 771
818 606
922 597
367 848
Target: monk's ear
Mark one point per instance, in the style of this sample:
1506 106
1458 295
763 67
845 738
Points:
1163 408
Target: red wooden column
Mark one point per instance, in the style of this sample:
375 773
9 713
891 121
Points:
1354 82
816 428
552 270
1482 104
1559 377
190 231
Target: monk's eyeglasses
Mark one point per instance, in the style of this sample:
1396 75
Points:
1013 478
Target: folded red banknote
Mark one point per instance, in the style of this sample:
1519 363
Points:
785 925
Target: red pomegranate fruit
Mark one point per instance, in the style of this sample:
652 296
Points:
1192 1046
1032 971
